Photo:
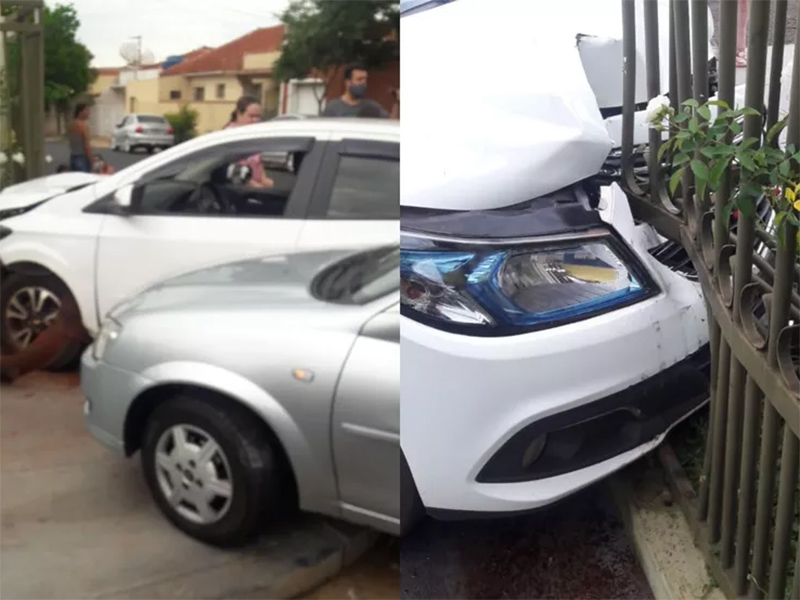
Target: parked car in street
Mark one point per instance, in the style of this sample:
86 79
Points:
150 132
252 385
100 239
552 337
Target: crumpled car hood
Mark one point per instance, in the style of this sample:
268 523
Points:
37 190
502 110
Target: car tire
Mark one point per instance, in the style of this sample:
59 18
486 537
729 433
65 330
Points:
250 462
14 287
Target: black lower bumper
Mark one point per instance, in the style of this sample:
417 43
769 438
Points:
589 434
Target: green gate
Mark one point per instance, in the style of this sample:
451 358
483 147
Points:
21 89
745 514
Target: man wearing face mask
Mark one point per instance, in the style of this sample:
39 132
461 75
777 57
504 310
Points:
353 101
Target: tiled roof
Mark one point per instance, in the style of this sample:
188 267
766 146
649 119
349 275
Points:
108 71
230 57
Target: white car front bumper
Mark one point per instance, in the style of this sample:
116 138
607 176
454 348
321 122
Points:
464 397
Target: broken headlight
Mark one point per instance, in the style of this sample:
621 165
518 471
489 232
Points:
508 288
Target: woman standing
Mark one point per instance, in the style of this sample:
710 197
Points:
80 149
247 112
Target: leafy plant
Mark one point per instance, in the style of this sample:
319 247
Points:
704 144
184 123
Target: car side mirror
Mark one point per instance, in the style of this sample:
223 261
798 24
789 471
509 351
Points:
123 199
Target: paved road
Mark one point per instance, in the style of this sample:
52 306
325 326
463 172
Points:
575 549
59 151
78 521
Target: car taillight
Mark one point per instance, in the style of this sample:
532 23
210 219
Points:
139 129
170 130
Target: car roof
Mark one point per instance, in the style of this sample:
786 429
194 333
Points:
312 127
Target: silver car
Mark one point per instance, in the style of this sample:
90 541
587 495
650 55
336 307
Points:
256 386
151 132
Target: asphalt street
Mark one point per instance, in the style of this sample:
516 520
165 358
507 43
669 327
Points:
575 549
59 152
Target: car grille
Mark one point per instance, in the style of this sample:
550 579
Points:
672 255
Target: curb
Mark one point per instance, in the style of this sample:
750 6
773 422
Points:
661 536
286 566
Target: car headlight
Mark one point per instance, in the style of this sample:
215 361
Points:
509 288
109 331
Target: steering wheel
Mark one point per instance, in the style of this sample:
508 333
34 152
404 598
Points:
206 200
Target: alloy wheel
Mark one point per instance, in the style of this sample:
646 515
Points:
29 312
193 474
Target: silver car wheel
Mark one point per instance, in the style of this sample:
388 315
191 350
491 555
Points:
29 312
194 474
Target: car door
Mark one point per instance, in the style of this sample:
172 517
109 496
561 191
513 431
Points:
356 202
162 237
366 424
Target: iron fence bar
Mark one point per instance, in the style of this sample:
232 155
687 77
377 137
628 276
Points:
796 585
683 59
776 67
696 205
673 60
744 523
726 71
653 62
790 458
732 459
718 429
628 96
715 334
754 98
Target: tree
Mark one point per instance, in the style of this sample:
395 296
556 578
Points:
67 73
321 36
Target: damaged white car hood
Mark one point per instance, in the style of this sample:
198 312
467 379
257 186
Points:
37 190
498 105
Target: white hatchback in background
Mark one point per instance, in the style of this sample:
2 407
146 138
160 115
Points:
336 186
548 339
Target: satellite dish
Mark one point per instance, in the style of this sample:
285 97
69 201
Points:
133 56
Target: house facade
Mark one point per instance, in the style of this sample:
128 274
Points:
212 81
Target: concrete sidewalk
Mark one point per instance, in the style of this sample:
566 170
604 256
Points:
78 522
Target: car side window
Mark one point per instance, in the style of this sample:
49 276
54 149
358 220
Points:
366 188
255 178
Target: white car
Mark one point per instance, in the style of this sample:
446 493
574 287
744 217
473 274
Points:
548 338
102 239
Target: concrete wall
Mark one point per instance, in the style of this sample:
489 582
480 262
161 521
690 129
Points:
127 75
173 83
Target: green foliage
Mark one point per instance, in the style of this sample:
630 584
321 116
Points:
707 146
322 36
184 122
66 65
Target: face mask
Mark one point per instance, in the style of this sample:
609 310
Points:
358 91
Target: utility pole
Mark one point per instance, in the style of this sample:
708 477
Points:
138 38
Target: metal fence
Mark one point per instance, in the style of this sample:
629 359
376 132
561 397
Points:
745 514
22 88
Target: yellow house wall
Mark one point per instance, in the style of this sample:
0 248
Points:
102 83
177 83
260 61
233 89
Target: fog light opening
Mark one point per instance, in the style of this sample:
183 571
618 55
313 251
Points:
534 451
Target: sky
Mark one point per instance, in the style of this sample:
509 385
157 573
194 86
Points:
167 27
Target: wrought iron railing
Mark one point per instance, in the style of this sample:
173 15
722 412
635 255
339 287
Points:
745 513
22 89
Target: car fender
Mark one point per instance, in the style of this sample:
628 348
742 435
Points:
31 256
316 485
